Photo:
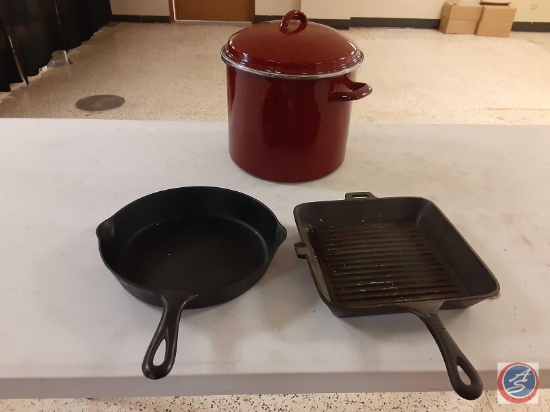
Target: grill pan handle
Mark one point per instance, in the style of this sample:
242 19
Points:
167 330
360 195
452 355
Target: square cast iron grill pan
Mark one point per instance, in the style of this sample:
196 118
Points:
372 256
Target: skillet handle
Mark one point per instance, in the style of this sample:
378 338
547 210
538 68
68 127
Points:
452 355
167 331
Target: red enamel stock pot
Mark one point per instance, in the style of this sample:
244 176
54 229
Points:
290 85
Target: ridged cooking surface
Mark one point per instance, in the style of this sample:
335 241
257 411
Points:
381 263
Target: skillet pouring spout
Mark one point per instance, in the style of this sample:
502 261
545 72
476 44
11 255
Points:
280 235
106 230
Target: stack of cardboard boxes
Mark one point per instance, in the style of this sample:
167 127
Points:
462 17
459 18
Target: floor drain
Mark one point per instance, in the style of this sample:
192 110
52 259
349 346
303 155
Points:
100 103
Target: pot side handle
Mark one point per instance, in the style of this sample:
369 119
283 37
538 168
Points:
357 91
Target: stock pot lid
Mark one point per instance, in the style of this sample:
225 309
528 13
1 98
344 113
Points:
292 48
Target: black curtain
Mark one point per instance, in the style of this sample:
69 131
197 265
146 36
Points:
99 13
32 26
39 27
79 19
8 68
71 18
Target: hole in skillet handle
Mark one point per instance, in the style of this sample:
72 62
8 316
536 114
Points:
463 376
454 358
360 196
161 353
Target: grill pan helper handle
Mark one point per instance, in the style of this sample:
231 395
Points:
452 355
360 195
167 330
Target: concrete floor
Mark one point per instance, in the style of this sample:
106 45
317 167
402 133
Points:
173 72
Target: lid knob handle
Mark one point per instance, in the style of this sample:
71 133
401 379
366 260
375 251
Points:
289 16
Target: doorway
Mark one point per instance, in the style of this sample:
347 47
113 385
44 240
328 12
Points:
213 10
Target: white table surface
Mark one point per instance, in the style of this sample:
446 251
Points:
68 329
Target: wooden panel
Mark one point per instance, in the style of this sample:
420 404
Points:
228 10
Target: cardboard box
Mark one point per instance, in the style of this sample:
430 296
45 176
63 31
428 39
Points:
496 21
455 10
457 26
492 29
459 18
498 14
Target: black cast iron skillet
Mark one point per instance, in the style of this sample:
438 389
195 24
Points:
372 256
185 248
